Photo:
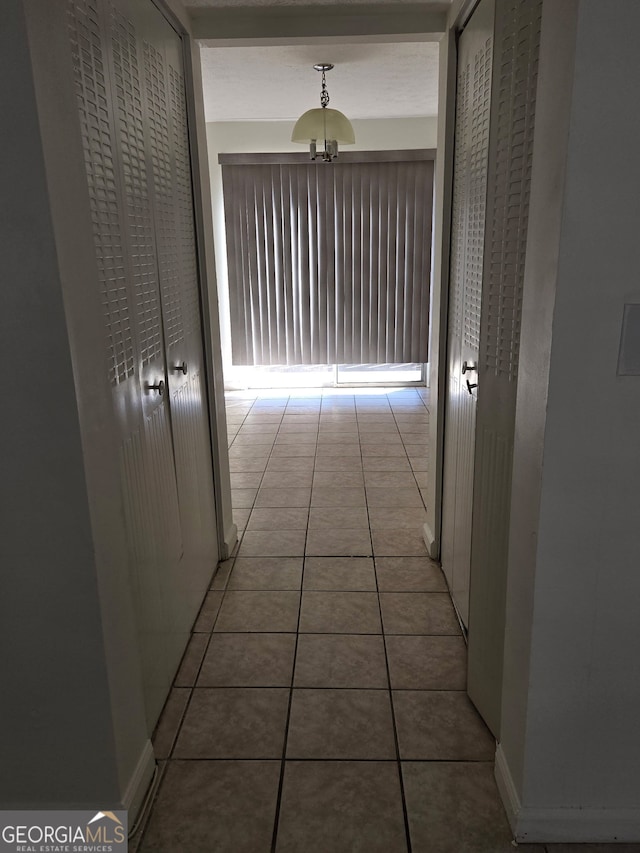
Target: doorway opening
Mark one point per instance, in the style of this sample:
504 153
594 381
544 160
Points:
322 261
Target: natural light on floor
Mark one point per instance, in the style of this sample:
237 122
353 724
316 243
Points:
324 375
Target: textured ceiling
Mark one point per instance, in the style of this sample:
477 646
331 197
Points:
390 80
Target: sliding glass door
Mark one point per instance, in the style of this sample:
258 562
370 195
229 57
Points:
329 263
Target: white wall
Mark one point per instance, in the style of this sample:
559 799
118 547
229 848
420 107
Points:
570 748
269 137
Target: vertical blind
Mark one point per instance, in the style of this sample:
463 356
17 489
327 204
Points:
328 263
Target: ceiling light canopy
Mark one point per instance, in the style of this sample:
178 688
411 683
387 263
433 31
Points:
324 124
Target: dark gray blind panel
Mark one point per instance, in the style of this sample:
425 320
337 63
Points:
329 264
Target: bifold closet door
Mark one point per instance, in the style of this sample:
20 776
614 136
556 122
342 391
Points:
172 198
516 50
473 100
122 55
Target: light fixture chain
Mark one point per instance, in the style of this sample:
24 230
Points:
324 95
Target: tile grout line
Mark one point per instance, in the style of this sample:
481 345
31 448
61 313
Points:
407 455
241 535
264 471
345 760
288 718
276 819
319 687
170 753
329 633
225 589
405 814
192 687
384 634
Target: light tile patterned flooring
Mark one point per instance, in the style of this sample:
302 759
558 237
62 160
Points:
320 705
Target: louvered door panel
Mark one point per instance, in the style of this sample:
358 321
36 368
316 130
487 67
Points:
190 301
139 223
91 72
164 193
478 145
473 105
138 178
515 97
517 37
132 136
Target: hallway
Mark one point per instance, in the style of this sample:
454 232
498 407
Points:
320 707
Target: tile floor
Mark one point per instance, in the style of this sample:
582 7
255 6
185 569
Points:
320 705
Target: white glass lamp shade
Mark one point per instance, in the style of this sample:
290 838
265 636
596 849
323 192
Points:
323 123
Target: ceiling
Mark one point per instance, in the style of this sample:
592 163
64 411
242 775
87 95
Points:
390 80
380 79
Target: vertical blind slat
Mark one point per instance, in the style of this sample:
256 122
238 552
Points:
339 263
275 215
329 264
347 266
267 269
365 262
330 235
289 227
374 222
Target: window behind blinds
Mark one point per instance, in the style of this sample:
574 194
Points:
328 263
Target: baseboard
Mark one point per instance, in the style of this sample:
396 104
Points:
430 541
230 541
507 788
557 825
139 783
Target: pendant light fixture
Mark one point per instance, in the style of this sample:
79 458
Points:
325 125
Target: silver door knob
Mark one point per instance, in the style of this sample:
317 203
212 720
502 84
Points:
471 386
159 387
181 368
468 366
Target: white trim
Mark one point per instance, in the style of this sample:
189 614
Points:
507 788
430 541
230 541
564 824
136 790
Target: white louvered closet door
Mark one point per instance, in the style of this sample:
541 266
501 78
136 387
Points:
517 40
465 294
172 194
120 52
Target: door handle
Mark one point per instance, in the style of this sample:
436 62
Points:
471 386
468 366
181 368
159 387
